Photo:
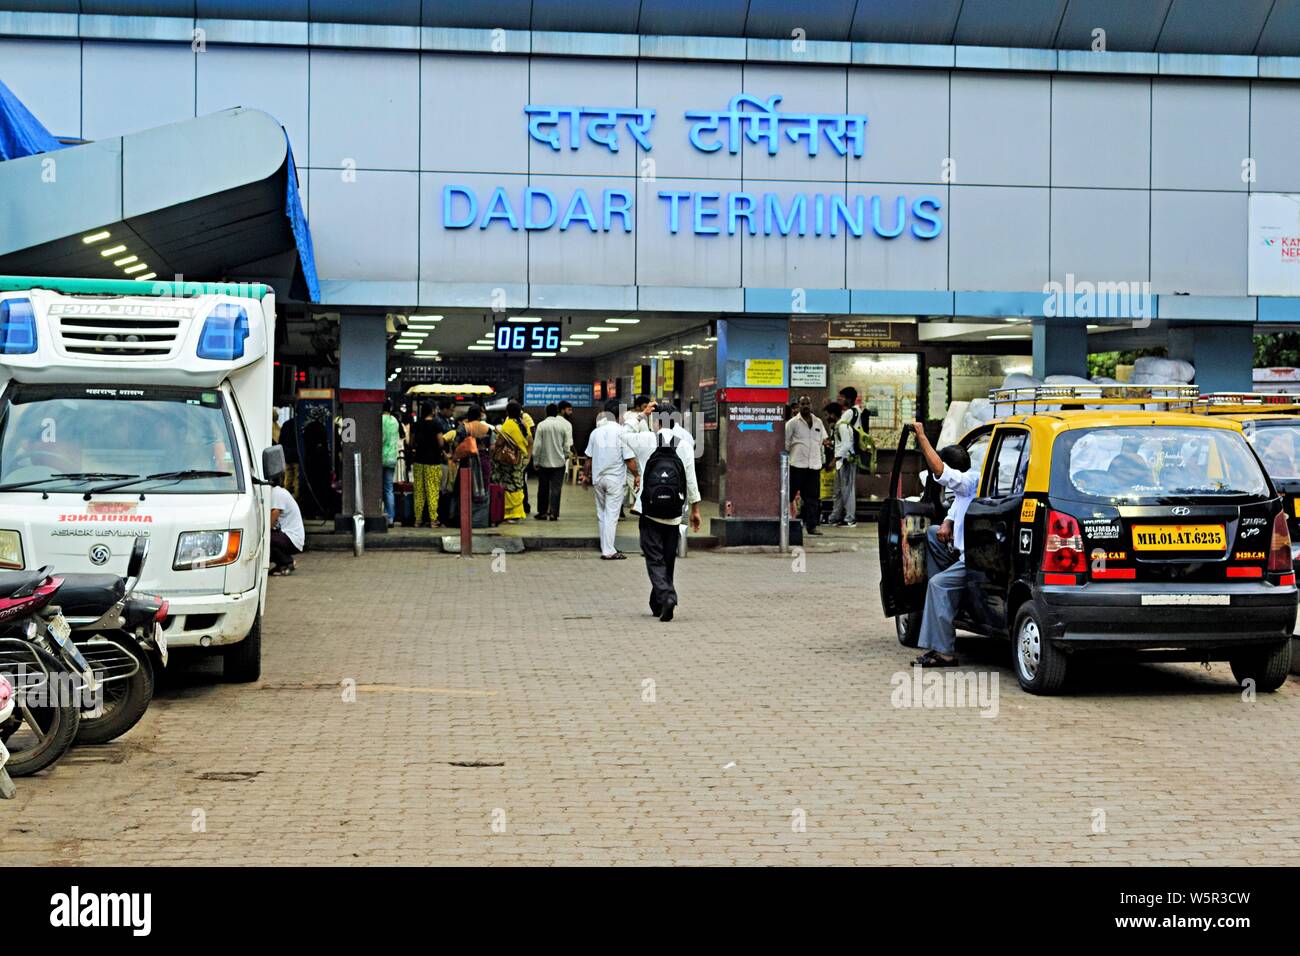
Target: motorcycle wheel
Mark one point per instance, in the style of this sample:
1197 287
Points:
125 702
38 735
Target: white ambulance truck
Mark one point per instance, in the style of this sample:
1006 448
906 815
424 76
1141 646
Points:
134 408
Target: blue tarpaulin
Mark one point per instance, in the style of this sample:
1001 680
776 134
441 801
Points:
298 223
21 133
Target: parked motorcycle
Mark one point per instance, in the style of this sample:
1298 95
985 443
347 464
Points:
7 788
49 675
119 633
76 644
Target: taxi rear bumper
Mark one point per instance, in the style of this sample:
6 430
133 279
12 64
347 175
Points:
1115 615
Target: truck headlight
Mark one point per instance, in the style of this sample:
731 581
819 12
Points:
206 549
11 549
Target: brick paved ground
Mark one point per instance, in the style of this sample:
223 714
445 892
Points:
772 698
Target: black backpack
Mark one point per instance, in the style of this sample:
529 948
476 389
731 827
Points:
663 489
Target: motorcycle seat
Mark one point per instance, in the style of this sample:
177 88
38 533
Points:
11 582
87 595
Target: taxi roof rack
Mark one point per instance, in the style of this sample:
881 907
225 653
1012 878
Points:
1230 402
1080 394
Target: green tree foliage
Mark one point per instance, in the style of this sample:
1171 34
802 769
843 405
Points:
1277 350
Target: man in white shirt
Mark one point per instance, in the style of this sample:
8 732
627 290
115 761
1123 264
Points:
846 460
659 536
552 442
945 559
287 533
805 437
636 420
608 477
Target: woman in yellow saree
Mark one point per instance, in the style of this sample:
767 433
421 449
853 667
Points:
513 474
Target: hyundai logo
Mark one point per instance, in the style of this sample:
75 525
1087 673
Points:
1180 511
100 554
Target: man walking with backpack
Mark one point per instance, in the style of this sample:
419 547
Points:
662 463
845 511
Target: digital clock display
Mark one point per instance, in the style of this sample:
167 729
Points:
528 337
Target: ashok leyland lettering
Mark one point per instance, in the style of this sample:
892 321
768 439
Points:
143 409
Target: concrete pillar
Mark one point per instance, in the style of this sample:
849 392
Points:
1060 347
753 374
363 376
1223 353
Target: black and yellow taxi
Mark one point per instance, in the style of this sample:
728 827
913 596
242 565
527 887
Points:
1105 522
1271 423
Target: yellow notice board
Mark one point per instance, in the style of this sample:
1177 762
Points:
768 373
637 385
669 368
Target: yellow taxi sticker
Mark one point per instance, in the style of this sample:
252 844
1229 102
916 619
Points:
1295 507
1188 537
1028 509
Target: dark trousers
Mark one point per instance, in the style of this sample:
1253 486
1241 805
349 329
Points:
659 546
807 483
282 550
549 483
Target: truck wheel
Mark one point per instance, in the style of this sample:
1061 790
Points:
125 702
908 627
243 661
1266 666
1039 664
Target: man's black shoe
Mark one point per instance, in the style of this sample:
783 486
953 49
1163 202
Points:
655 609
813 531
667 613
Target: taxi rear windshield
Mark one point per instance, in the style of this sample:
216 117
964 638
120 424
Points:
1278 447
1153 464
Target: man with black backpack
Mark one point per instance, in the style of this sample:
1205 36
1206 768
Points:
846 460
662 463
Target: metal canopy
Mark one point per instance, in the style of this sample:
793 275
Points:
204 199
1258 27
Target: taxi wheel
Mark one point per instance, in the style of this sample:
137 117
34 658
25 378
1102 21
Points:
908 627
1267 666
1039 665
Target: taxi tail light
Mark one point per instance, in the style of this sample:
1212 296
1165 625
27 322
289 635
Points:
1287 580
1279 552
1245 571
1114 574
163 608
1063 549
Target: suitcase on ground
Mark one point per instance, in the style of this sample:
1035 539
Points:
404 505
480 514
496 504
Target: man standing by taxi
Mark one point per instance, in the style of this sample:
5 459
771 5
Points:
945 557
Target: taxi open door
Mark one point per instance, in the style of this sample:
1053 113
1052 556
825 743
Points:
902 526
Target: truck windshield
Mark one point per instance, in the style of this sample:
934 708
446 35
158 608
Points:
1153 464
75 437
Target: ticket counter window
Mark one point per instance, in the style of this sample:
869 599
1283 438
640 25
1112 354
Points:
887 384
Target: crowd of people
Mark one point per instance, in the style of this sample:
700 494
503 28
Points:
639 460
814 446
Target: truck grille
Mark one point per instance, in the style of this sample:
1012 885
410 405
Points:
152 338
